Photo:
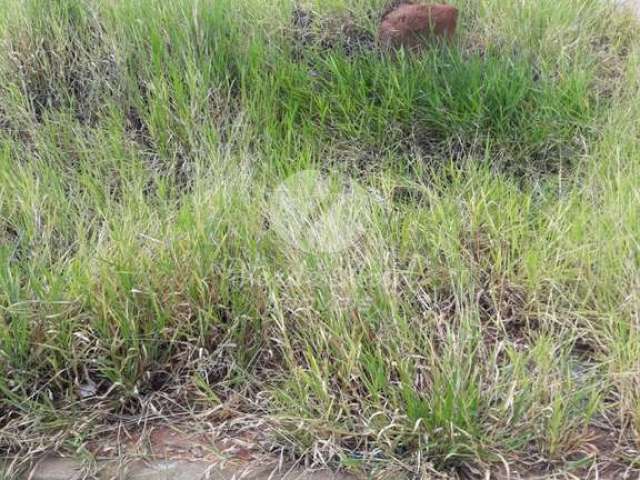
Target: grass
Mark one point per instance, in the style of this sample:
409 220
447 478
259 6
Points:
485 315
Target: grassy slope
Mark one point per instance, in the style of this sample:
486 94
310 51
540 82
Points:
489 314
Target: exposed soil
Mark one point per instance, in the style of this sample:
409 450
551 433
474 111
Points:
161 442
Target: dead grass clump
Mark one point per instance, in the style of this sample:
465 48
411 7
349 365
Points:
324 34
63 60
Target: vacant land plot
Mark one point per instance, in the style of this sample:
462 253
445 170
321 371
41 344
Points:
472 303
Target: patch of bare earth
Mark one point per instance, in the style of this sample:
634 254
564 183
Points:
169 442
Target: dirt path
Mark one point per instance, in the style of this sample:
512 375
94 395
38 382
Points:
65 469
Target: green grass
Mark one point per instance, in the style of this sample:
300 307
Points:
486 315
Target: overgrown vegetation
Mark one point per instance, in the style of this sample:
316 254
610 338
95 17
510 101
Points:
489 314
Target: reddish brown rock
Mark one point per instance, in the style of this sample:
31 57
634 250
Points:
411 25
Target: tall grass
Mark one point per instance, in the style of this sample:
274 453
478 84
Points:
486 315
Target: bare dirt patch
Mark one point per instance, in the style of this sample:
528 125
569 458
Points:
162 442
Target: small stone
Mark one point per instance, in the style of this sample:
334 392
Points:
411 25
